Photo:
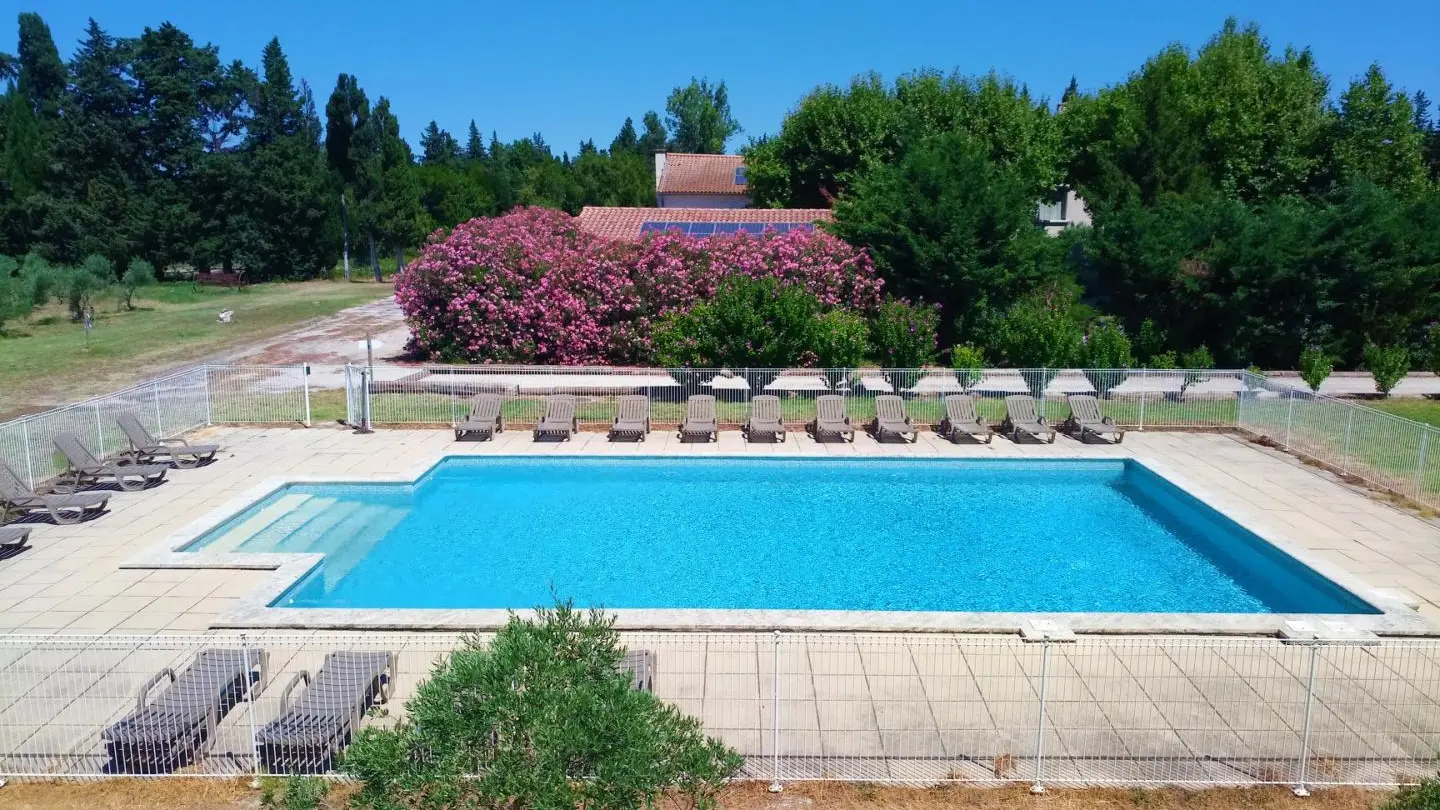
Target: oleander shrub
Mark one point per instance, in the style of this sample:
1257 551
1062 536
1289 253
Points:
532 287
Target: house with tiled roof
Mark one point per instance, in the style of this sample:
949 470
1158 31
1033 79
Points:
700 181
632 223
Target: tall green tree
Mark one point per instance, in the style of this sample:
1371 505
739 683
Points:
387 193
1376 138
345 113
654 138
474 144
438 146
627 140
699 118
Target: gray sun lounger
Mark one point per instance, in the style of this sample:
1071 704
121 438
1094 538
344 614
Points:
764 421
1021 418
14 537
175 727
891 420
640 666
632 418
484 419
16 497
146 449
700 420
559 419
84 468
961 420
830 419
1085 417
314 728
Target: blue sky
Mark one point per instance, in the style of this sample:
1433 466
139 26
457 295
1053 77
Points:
573 70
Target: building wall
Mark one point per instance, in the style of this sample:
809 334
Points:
703 200
1056 218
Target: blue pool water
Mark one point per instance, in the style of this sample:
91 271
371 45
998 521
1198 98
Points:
941 535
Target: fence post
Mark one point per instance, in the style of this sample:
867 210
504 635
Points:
1420 464
775 786
250 713
1039 785
305 381
99 432
1349 432
205 371
454 416
25 437
1300 789
1144 377
1289 416
159 423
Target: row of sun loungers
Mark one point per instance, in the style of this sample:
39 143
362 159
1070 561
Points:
144 463
175 726
485 419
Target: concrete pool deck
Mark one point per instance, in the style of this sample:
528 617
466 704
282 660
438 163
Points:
100 576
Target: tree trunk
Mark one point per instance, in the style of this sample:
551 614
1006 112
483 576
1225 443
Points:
374 257
345 229
399 258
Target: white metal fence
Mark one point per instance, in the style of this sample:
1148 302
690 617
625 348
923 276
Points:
886 708
1394 453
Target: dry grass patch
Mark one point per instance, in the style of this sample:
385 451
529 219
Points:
209 794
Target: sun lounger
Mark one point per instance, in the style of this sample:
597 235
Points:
13 537
177 725
961 420
16 497
85 469
891 420
830 419
1085 418
146 449
484 418
1020 417
314 728
764 421
640 666
559 419
700 421
633 417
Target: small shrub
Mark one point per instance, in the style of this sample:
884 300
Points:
16 300
839 339
1196 358
903 335
1315 367
138 274
81 284
538 717
1106 348
293 793
1163 360
1388 364
1431 349
968 359
1423 795
1150 343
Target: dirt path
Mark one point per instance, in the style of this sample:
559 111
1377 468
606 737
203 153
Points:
333 340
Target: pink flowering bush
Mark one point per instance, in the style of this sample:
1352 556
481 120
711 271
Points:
532 287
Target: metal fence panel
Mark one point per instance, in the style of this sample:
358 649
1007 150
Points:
899 708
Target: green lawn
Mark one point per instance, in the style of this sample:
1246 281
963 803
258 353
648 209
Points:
1421 410
47 360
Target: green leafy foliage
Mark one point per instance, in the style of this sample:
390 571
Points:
1430 349
968 359
1423 795
81 284
749 322
903 335
1388 364
1106 346
538 717
840 339
138 274
293 793
1036 332
1315 367
699 118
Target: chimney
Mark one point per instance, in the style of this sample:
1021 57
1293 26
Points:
659 175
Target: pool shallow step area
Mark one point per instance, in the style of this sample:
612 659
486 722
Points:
933 536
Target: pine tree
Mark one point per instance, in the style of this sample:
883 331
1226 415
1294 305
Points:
387 194
474 144
438 147
33 113
655 137
627 140
1071 91
345 113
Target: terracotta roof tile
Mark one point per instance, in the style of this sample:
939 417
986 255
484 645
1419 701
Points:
624 223
701 174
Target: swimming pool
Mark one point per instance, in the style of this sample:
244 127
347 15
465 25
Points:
858 535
